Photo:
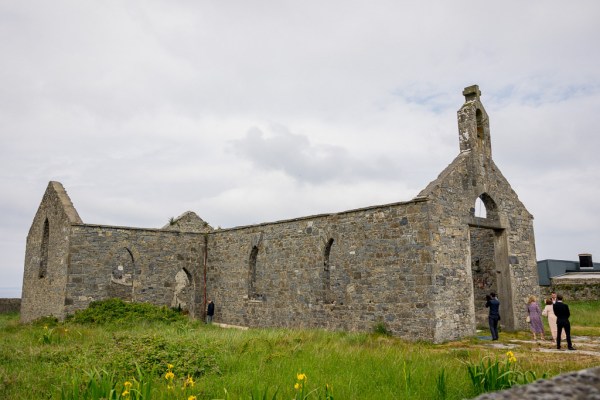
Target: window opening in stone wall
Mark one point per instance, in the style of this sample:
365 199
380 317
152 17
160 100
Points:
479 118
327 271
252 273
480 210
187 273
181 292
44 250
122 274
491 209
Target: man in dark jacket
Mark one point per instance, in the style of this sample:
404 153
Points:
561 310
210 311
494 315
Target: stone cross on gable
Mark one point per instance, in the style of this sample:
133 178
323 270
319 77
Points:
472 93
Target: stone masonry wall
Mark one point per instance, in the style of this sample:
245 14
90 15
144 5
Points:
580 289
516 276
159 267
10 306
379 270
483 270
472 175
47 255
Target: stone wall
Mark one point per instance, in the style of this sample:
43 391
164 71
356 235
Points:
578 385
577 286
10 306
143 265
47 255
483 270
345 271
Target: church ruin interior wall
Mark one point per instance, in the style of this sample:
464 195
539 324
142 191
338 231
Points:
143 265
483 271
378 270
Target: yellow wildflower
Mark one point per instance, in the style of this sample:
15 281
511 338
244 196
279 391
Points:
125 393
169 376
192 398
127 384
189 382
170 366
301 377
511 356
297 386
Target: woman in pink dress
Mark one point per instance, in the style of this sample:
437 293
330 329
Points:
535 318
548 311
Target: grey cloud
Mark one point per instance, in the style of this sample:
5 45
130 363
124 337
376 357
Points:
295 155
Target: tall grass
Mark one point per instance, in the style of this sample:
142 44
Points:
584 313
233 364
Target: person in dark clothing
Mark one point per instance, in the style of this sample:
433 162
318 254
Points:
493 304
561 310
210 311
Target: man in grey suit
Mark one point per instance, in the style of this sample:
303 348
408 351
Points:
561 310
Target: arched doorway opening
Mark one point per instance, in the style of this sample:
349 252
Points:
488 245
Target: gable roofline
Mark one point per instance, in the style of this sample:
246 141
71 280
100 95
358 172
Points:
65 202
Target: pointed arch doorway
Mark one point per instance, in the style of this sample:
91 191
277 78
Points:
488 255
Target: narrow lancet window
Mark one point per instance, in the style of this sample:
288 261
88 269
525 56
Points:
327 271
252 273
44 250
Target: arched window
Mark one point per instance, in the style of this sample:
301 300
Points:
485 207
326 270
44 250
480 210
252 272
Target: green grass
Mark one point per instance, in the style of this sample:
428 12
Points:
46 358
584 313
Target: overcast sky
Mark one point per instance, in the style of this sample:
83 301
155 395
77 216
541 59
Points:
255 111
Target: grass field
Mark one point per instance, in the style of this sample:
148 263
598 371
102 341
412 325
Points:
92 356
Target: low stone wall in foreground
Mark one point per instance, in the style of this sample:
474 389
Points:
579 385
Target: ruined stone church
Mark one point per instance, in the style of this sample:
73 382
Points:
420 267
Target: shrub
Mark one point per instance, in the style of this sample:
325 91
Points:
118 311
381 329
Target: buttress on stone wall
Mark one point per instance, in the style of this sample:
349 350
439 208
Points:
420 267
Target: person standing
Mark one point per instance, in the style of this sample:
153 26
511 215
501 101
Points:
561 310
494 315
535 318
553 297
548 312
210 311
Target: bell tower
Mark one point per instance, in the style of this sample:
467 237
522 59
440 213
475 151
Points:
474 124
